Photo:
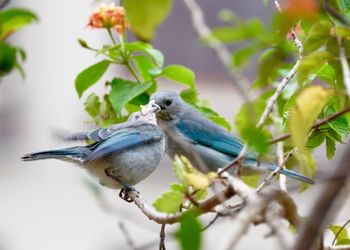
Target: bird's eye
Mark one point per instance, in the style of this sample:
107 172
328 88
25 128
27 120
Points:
168 102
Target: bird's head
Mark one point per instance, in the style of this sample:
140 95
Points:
169 102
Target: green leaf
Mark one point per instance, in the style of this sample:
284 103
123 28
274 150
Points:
257 139
270 61
286 109
144 65
189 233
7 58
169 202
242 55
251 180
330 147
311 64
221 121
201 194
344 5
309 104
343 237
179 169
316 139
317 36
179 74
92 105
91 75
250 112
307 167
250 29
327 74
112 52
341 126
146 15
266 2
189 95
146 48
13 19
343 242
177 187
123 91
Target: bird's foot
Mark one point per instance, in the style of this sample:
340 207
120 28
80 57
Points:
124 193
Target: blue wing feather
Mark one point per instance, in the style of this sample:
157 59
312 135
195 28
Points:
210 136
118 141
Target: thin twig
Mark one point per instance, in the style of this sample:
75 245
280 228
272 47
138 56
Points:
129 241
273 98
211 222
315 126
222 52
162 238
273 174
285 80
340 230
344 64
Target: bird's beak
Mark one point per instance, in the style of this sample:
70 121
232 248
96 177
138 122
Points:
151 107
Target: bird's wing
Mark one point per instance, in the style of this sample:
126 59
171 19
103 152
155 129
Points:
123 139
210 135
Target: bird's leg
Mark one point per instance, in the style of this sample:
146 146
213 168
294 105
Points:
124 192
126 187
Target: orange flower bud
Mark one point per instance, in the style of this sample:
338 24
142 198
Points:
108 16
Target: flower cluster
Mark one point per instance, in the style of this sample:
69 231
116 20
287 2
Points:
110 17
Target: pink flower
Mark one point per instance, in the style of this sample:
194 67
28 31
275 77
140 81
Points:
109 16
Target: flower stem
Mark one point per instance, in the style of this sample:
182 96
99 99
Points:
132 70
111 36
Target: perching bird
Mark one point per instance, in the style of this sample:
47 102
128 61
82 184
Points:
120 156
191 134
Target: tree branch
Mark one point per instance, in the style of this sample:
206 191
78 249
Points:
331 192
162 238
222 52
274 173
315 126
345 65
285 80
162 218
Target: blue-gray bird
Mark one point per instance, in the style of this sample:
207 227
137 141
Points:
191 134
120 156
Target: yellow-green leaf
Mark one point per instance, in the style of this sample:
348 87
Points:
199 180
307 107
146 15
169 202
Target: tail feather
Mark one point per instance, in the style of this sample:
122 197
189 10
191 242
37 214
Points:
292 174
297 176
68 153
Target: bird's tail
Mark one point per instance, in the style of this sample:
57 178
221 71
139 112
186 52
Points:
77 153
293 174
